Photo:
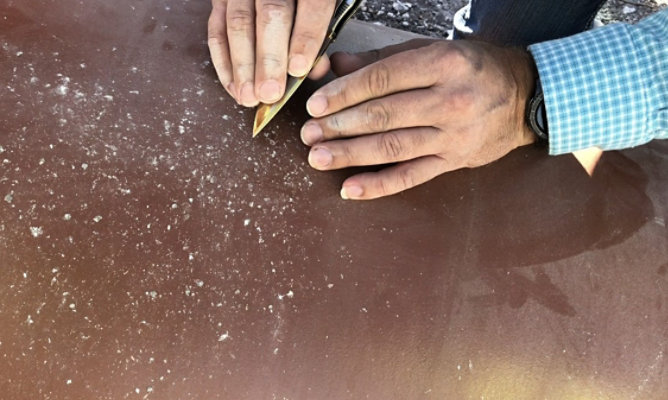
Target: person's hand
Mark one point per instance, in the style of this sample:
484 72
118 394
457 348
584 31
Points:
430 107
254 45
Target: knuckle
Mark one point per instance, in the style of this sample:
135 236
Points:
454 54
378 79
244 69
406 178
449 56
240 20
275 10
336 125
306 38
215 40
218 4
460 101
383 187
390 146
272 61
341 94
347 156
378 117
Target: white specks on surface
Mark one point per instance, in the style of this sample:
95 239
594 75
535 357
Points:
330 285
67 217
226 117
364 310
29 320
97 218
9 198
68 382
63 88
108 97
84 166
19 53
36 231
289 295
152 294
41 161
224 336
628 10
174 206
199 282
247 222
276 351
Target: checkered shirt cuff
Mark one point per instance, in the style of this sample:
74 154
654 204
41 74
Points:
607 87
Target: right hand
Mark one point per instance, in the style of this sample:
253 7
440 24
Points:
254 45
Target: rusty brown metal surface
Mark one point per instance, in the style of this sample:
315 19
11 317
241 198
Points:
150 249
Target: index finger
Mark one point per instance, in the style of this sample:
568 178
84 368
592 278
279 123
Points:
412 69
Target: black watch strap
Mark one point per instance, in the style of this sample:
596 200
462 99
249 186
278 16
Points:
537 114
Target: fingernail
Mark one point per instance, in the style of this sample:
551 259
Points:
297 66
351 192
311 133
316 105
320 158
270 91
248 98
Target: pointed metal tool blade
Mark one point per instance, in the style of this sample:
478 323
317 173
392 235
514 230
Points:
266 112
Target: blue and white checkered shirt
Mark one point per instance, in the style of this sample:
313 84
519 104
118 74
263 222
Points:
607 87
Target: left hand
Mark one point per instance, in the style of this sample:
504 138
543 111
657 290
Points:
428 106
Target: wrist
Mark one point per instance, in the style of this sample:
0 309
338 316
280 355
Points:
525 74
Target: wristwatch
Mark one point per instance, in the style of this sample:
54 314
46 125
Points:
537 115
